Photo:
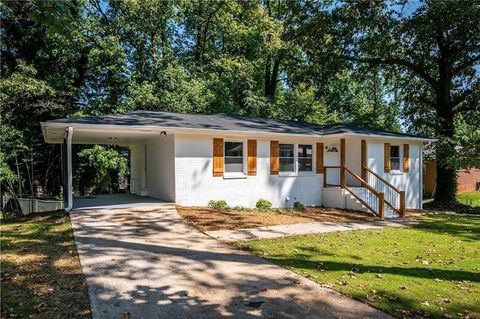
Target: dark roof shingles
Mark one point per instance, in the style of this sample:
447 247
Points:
225 122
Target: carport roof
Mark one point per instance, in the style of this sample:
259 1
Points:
221 122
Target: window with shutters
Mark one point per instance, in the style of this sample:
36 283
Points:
287 157
233 157
305 157
395 157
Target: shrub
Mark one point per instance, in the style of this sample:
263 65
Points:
240 208
298 206
218 204
263 204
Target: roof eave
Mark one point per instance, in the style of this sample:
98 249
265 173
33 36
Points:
113 127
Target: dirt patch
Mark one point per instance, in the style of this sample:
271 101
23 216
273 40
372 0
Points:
207 219
41 273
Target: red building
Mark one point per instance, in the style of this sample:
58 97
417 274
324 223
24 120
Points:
467 179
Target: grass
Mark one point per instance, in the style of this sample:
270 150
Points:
41 273
470 199
429 270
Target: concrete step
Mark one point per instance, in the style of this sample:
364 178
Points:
340 198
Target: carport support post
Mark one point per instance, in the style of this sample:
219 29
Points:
69 178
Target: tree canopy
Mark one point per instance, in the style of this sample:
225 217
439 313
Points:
396 65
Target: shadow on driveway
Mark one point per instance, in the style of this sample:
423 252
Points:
148 262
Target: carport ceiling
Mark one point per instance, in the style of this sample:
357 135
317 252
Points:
89 136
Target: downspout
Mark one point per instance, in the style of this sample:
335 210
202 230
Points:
69 170
421 178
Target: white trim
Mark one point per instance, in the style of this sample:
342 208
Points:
234 175
296 171
398 171
288 173
148 129
243 173
314 168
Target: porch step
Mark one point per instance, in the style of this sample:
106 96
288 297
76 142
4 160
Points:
353 203
340 198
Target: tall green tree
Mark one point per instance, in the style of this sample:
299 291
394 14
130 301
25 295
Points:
434 47
253 58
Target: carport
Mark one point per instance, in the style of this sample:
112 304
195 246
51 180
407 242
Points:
148 147
114 201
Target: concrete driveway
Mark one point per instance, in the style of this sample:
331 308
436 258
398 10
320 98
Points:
144 260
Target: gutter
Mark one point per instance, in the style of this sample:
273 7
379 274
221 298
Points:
150 128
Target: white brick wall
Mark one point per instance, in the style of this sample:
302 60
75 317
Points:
409 182
195 184
187 178
160 168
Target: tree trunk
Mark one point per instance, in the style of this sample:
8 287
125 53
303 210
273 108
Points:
446 187
271 77
267 74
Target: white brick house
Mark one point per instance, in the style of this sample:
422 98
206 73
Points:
191 159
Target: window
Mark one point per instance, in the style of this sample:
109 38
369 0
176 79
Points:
234 157
287 158
305 158
395 157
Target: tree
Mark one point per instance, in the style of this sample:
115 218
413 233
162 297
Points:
42 71
434 47
101 168
251 58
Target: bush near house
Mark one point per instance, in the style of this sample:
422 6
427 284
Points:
298 206
263 204
218 204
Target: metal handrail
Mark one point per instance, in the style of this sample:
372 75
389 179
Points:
363 183
378 195
389 200
382 179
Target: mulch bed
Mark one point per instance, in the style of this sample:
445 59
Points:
208 219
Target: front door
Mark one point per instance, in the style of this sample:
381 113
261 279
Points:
332 158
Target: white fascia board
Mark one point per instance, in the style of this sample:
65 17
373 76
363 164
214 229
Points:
153 128
383 137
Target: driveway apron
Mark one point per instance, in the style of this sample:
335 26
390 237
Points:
147 262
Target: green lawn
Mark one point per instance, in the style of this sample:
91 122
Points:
430 270
41 273
470 199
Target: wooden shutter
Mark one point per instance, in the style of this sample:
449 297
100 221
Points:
406 157
218 157
252 157
386 157
363 159
319 158
274 159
